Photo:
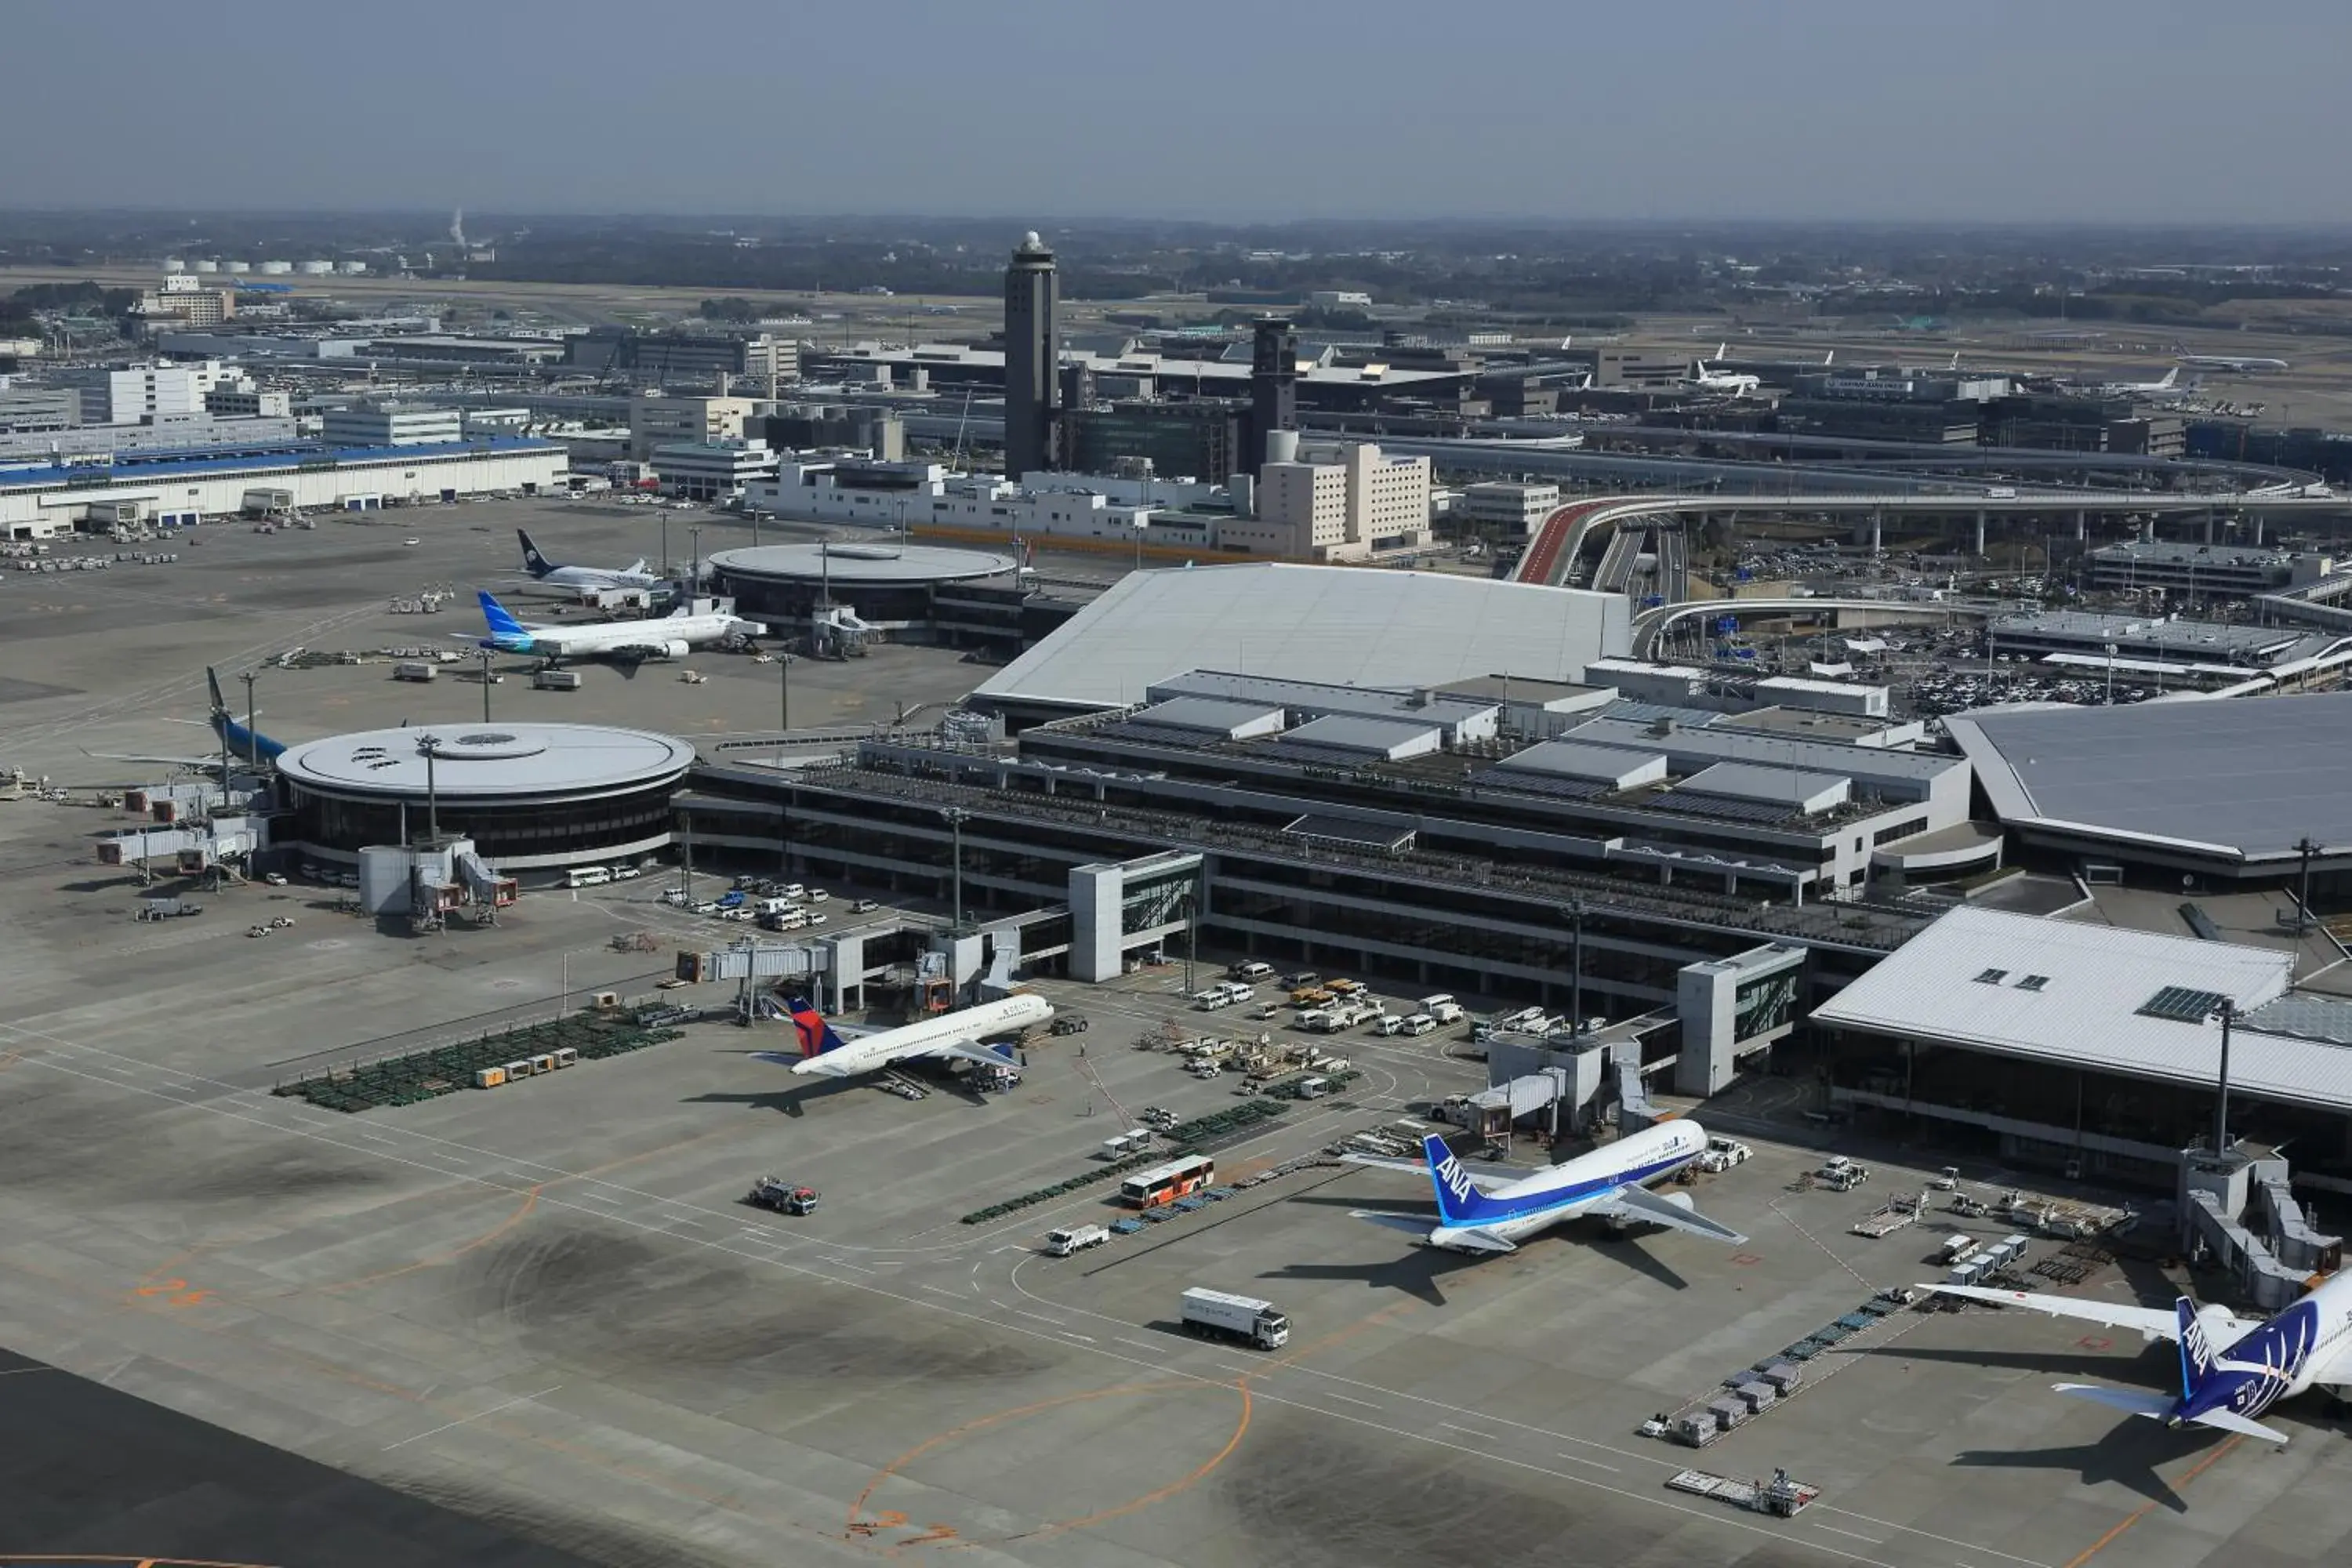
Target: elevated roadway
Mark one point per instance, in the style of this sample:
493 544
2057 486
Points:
1649 627
1560 539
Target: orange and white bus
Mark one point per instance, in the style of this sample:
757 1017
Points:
1166 1183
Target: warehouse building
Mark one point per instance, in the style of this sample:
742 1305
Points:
45 500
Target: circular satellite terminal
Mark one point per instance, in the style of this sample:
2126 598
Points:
535 761
847 566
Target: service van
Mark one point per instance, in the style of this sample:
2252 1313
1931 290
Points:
1441 1008
1421 1024
1253 972
589 876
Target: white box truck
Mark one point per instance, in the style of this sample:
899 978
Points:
1242 1318
1077 1238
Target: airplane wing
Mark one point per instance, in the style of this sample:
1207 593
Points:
2154 1322
1417 1228
213 761
970 1051
1639 1205
1486 1178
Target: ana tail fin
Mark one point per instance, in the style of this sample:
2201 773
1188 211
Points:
1459 1201
816 1035
2196 1350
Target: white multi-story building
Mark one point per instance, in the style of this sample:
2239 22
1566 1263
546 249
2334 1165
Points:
392 425
1339 501
713 470
243 400
1509 506
658 421
145 393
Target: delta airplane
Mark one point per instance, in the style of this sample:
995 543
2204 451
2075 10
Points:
1739 383
823 1052
2237 364
239 742
2309 1345
668 638
584 578
1491 1208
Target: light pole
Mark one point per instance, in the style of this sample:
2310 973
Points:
252 740
956 816
2227 1010
696 586
2306 848
486 686
2111 675
665 528
1576 968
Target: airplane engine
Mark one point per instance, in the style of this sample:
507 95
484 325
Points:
674 651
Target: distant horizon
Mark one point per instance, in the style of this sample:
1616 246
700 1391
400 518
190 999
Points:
1017 221
2016 113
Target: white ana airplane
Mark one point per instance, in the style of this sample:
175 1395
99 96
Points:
825 1053
2309 1345
1737 382
2237 364
584 578
1492 1208
668 638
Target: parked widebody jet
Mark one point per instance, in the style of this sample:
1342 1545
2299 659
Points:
1493 1209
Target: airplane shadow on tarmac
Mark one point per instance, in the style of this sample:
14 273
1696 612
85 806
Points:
2126 1454
1627 1250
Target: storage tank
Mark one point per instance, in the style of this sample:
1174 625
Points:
239 267
205 264
175 264
351 268
274 268
314 268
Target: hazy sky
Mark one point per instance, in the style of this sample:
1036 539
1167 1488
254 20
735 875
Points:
2001 109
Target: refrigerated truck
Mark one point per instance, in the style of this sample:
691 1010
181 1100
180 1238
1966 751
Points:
1244 1319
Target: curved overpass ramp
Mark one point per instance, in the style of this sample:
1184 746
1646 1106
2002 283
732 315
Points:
1562 537
1651 624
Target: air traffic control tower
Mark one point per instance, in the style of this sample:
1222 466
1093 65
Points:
1033 358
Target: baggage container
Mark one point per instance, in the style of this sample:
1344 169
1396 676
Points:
567 1057
489 1078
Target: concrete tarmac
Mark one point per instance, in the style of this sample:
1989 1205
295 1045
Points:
545 1307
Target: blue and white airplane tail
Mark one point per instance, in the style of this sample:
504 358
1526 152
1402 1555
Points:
250 744
505 630
2212 1390
535 564
1459 1201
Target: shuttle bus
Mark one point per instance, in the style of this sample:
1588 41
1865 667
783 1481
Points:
1166 1183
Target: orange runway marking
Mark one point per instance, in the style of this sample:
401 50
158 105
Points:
521 1212
861 1524
2123 1526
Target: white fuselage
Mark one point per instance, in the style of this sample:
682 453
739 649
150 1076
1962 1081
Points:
612 636
587 578
1006 1016
1563 1191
